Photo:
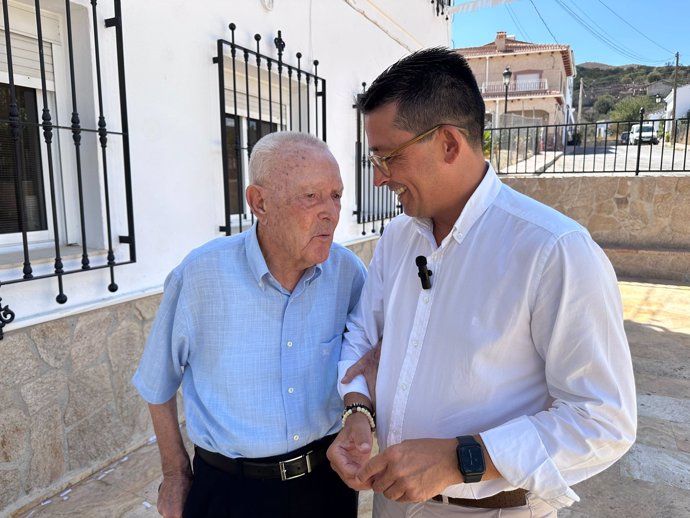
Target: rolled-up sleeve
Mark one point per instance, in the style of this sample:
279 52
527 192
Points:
577 328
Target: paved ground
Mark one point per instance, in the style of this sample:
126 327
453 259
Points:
652 480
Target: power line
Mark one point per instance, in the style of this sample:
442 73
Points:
634 28
620 49
517 23
604 34
542 21
604 39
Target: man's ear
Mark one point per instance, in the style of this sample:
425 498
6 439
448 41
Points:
453 141
256 200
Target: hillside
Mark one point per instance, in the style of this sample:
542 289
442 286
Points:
622 81
592 64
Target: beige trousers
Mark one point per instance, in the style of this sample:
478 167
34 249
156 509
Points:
384 508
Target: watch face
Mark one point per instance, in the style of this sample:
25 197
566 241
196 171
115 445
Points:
471 459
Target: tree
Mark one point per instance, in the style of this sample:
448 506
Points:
653 76
629 108
604 103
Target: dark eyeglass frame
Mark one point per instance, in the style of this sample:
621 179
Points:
381 162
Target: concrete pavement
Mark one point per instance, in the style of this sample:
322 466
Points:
652 480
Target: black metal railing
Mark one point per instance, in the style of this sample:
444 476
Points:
643 145
249 84
52 148
374 205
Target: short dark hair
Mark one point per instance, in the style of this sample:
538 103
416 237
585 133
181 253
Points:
431 86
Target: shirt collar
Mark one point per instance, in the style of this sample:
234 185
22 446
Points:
483 196
258 266
481 199
255 258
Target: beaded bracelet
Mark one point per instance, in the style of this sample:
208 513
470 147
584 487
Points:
363 409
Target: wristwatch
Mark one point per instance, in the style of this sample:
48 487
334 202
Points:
470 458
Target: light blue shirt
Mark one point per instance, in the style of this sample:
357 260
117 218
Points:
257 364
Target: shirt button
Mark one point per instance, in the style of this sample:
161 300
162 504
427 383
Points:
291 390
426 300
403 386
289 344
415 343
295 437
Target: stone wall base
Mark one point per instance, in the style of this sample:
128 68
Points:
668 265
642 222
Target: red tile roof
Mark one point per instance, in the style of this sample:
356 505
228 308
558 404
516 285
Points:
513 46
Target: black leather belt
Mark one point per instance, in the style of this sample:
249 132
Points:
501 500
283 467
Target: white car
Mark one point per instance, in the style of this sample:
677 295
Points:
646 135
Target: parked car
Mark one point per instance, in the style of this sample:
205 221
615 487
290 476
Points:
646 134
623 138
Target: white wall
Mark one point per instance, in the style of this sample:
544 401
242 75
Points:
683 101
173 107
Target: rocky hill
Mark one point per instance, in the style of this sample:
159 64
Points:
623 81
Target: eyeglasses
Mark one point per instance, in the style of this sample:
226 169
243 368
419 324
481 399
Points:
381 162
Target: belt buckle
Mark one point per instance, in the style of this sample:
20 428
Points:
283 472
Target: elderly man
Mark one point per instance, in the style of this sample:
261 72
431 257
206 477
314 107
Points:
251 327
505 375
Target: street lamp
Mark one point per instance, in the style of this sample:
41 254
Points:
506 81
659 99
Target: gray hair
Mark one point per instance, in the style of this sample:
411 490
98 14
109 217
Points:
271 148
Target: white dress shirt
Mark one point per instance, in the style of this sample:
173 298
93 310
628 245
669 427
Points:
520 338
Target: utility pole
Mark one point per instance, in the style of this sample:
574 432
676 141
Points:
675 91
579 103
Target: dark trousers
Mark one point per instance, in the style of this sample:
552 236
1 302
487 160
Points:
319 494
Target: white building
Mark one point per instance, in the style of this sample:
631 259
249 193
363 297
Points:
682 102
173 110
130 177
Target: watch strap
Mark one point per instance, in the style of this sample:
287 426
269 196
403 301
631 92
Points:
475 472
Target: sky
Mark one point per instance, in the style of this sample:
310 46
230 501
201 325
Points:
615 32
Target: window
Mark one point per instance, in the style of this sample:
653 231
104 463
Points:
528 81
241 135
62 176
24 203
27 195
374 205
260 94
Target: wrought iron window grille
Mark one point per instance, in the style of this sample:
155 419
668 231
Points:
440 6
260 94
374 205
81 135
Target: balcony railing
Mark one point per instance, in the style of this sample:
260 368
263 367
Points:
497 88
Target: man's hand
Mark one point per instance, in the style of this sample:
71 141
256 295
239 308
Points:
351 450
175 464
414 470
367 365
172 495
